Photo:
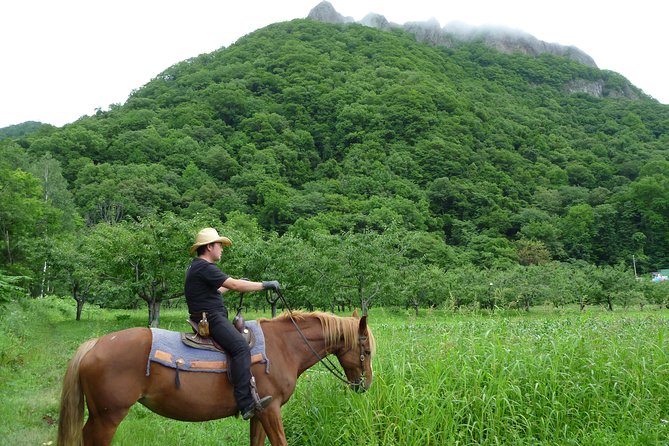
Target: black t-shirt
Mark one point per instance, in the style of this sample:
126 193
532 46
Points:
203 279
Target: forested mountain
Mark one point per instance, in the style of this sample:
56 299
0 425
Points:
23 129
314 128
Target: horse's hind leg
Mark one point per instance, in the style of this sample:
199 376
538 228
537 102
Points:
99 430
113 377
106 410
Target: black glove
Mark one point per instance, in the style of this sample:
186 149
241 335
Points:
271 285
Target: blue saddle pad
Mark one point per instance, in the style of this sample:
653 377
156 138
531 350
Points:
168 349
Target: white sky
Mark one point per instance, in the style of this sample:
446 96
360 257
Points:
62 59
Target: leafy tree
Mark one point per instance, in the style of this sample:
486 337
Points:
650 196
108 193
10 287
577 231
465 285
582 284
424 286
532 288
532 252
156 260
218 162
488 251
73 260
61 215
21 208
615 282
145 259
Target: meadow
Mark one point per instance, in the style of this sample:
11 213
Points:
547 377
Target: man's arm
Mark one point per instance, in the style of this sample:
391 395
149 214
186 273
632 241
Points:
246 285
242 285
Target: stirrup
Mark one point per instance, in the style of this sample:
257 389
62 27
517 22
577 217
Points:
258 403
258 406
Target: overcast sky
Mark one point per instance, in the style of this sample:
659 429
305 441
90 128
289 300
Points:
62 59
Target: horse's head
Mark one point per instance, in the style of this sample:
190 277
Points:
356 360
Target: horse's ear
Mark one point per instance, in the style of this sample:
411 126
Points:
362 328
355 314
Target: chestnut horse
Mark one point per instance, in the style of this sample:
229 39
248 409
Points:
110 372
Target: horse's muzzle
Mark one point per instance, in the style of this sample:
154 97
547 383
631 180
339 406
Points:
359 386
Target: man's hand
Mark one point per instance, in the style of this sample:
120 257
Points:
271 285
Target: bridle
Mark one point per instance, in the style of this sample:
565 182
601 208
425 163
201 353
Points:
327 363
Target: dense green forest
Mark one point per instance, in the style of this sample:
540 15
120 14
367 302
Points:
354 165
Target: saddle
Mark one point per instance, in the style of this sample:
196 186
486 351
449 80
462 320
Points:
201 339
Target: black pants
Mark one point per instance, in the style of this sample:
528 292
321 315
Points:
239 356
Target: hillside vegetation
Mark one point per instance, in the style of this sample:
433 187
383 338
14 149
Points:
354 165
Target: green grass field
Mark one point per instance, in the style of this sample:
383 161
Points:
544 378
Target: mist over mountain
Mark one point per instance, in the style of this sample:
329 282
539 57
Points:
502 39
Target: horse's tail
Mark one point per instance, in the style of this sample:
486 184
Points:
72 400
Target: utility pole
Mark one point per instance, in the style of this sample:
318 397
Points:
634 263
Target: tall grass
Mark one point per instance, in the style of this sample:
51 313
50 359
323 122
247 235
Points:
474 379
520 380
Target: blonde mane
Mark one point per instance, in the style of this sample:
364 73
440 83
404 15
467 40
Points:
334 327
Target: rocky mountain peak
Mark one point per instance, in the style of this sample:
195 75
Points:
504 40
325 12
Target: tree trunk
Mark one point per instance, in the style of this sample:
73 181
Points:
154 312
9 250
80 307
44 268
78 300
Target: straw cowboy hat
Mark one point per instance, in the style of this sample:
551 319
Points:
206 236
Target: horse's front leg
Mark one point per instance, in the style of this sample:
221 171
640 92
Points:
257 432
272 424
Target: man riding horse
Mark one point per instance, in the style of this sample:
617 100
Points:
204 286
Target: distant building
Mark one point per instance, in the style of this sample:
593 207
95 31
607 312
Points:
660 276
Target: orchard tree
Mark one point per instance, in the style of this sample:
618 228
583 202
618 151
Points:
464 284
583 283
72 257
613 281
156 254
369 262
424 286
146 259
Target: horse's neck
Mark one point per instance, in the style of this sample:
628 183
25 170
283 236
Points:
306 347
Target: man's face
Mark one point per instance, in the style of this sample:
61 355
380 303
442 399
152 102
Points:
216 251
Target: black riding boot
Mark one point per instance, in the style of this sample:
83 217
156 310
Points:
258 403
